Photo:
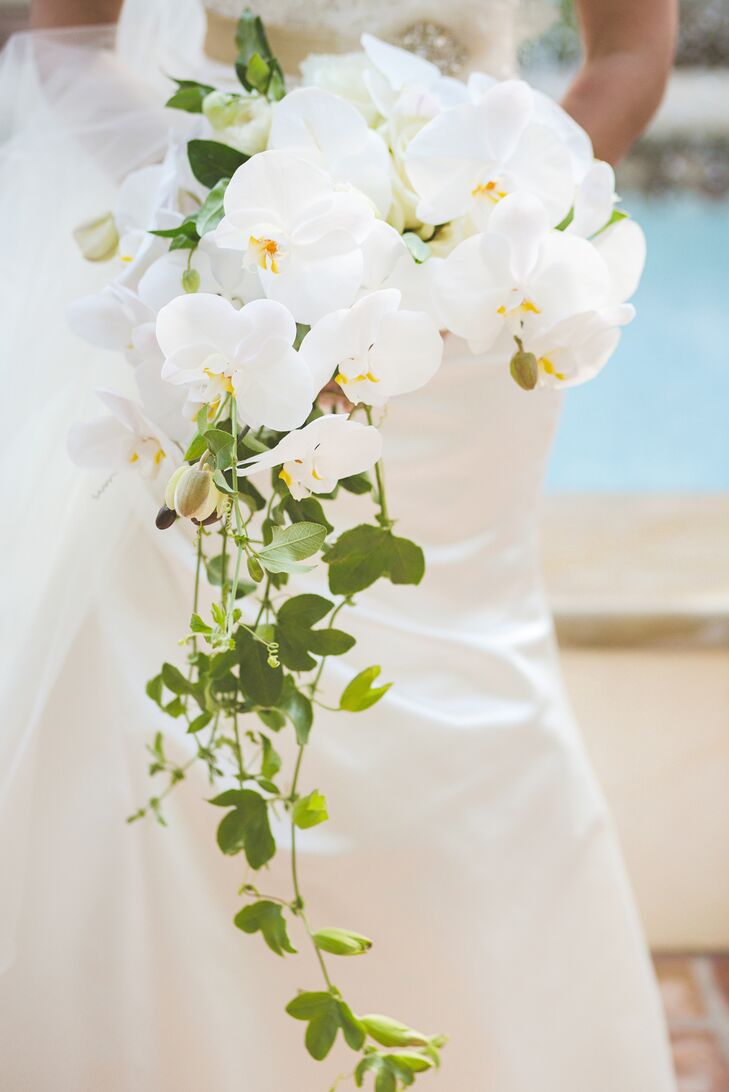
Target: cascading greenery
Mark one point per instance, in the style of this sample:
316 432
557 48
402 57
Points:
255 663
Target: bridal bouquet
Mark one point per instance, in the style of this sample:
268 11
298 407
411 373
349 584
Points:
323 239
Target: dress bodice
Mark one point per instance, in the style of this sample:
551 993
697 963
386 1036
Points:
459 36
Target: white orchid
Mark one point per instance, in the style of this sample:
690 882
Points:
577 348
124 439
114 318
374 350
492 282
401 81
216 350
302 235
313 459
594 200
471 156
327 131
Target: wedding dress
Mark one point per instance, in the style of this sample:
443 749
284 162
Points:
468 835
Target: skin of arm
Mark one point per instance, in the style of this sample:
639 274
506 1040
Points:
629 47
73 13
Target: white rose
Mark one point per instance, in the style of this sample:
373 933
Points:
342 75
242 121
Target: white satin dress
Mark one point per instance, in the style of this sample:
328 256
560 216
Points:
467 834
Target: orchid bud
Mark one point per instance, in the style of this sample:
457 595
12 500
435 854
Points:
98 239
190 280
524 369
193 493
165 517
255 571
342 942
391 1033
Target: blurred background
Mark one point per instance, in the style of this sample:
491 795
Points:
636 533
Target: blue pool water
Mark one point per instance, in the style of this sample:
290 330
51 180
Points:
657 417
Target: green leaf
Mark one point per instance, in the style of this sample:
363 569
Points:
308 509
330 642
564 224
359 694
272 719
199 723
187 229
256 66
210 161
198 626
154 689
222 446
260 683
616 216
246 829
212 210
310 810
270 760
297 639
356 483
197 448
342 942
358 558
293 543
366 553
175 681
407 562
321 1010
189 96
304 610
267 918
352 1029
298 709
221 482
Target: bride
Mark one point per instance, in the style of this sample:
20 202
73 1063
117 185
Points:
469 835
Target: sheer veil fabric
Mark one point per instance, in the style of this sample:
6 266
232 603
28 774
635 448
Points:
468 835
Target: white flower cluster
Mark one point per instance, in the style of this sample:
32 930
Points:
380 205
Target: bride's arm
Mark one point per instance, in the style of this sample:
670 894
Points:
73 13
629 47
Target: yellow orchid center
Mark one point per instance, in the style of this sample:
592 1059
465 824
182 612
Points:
221 377
341 378
285 476
126 258
545 363
159 455
267 251
489 190
134 457
526 307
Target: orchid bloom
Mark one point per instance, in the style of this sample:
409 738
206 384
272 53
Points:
217 350
471 156
313 459
491 283
124 439
329 132
400 81
297 231
374 350
576 348
594 201
114 318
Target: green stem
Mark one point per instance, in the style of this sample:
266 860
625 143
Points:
380 480
298 900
